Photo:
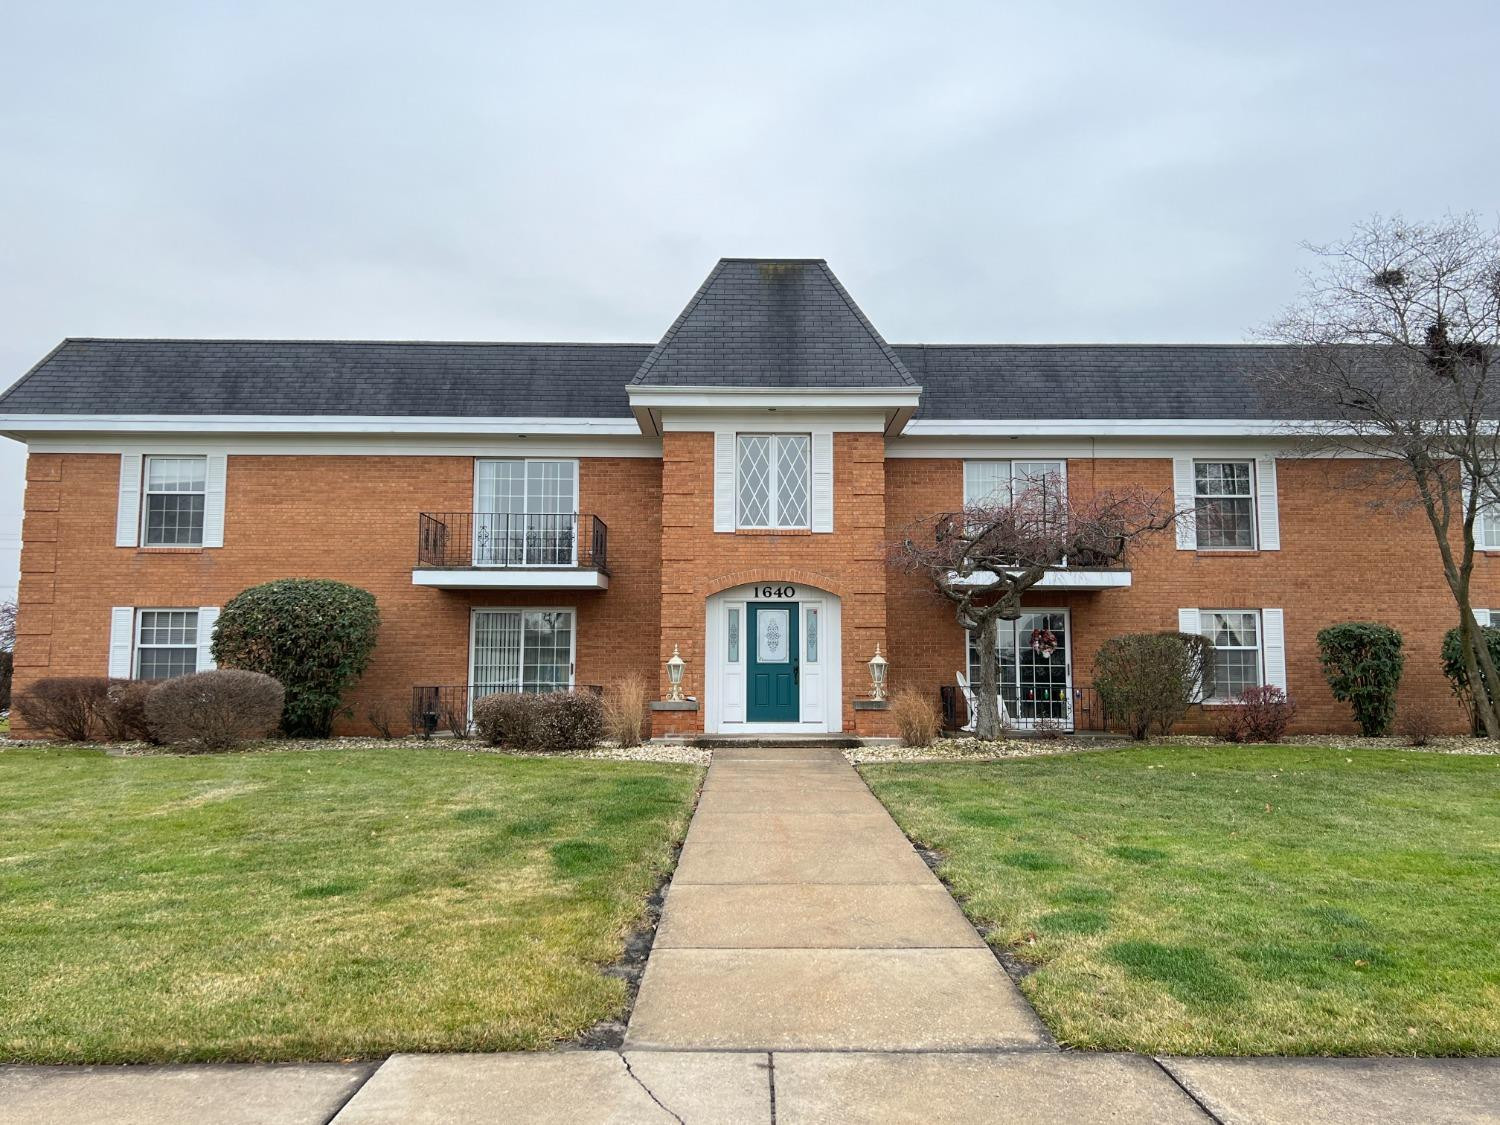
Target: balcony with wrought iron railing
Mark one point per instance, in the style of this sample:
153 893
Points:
499 550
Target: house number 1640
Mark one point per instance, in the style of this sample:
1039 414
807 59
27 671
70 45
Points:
775 591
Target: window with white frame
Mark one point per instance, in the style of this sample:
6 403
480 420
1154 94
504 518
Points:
526 512
166 643
1487 528
993 483
522 650
1236 635
175 493
1224 504
772 480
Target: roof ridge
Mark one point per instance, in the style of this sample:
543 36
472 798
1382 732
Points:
353 343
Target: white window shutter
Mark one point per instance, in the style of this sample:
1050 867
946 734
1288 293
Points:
1190 621
723 480
1266 512
208 617
1273 647
1183 490
121 640
213 500
822 482
128 510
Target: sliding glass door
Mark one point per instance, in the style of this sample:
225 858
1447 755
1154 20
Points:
525 513
522 650
1035 670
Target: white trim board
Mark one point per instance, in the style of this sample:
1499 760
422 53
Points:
353 445
510 578
308 424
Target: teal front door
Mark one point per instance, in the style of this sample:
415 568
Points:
773 681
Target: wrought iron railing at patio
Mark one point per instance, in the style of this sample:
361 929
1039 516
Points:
500 539
1033 710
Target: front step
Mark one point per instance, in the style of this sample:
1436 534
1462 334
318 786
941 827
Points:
801 741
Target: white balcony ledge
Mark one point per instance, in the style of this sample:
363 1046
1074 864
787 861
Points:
510 578
1060 579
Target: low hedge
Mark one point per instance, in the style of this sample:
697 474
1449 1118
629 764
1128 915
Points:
548 722
216 710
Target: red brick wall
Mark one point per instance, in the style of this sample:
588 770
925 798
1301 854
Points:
1339 561
354 518
697 562
349 518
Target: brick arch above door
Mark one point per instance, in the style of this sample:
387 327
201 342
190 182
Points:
768 573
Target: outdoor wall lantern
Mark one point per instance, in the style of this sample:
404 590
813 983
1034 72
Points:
878 666
674 676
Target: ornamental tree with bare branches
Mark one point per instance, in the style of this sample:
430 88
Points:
1392 358
986 556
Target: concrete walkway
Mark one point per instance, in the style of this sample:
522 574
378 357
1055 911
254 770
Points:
808 969
800 918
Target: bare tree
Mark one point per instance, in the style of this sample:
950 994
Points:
1392 358
7 626
985 557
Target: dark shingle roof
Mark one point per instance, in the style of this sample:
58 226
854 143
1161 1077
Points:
772 323
85 376
1059 381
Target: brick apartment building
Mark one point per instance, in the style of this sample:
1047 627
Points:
533 516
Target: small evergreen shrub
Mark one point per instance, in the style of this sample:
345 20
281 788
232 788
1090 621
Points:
1452 657
122 714
218 710
626 709
916 717
64 707
1362 662
551 722
1258 714
312 635
7 670
1148 680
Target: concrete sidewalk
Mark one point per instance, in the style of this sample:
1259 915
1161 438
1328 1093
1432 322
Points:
808 968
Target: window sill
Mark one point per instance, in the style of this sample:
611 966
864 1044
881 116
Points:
1227 553
170 550
772 531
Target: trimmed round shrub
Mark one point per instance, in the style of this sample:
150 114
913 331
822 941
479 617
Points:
1362 662
550 722
122 714
1452 656
64 706
314 636
217 710
1148 680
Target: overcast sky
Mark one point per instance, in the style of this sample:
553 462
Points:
973 172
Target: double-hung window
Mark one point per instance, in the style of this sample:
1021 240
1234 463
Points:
175 492
772 480
1224 504
166 643
522 650
1236 635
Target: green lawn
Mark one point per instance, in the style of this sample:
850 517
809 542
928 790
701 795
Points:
1232 900
318 904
